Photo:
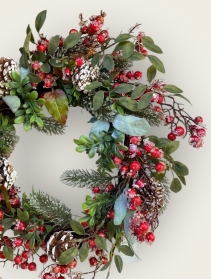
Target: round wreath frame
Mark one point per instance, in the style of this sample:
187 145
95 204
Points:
78 71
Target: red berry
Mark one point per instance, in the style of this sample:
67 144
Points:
96 190
104 33
32 266
64 269
144 226
137 75
98 252
124 170
48 83
25 254
24 265
61 42
134 140
41 229
179 131
135 166
84 29
1 214
169 119
17 259
150 237
15 201
20 225
130 75
72 264
18 241
157 108
160 167
41 47
56 269
47 276
148 146
139 184
144 52
35 65
110 214
41 75
131 193
171 136
43 258
104 260
94 27
2 256
84 224
92 243
160 99
156 153
79 61
136 201
198 119
61 277
100 38
72 31
109 187
117 161
93 261
201 132
102 234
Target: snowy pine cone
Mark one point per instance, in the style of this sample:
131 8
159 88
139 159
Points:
84 75
8 174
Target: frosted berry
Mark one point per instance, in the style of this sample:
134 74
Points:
96 190
35 65
48 83
100 38
124 169
156 153
144 226
131 193
172 136
98 252
109 188
84 29
139 184
1 214
201 132
104 33
104 260
160 167
43 258
32 266
117 161
136 201
160 99
56 268
135 166
18 242
169 119
198 119
130 75
72 264
110 214
134 140
64 269
14 201
137 75
17 259
179 131
150 237
24 265
93 261
92 243
79 61
47 275
73 31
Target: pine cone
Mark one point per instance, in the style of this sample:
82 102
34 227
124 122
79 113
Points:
8 174
84 75
7 65
58 243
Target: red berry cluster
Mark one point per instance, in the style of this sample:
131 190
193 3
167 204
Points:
139 45
57 271
123 76
48 79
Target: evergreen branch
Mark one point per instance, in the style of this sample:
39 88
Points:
8 140
50 208
166 195
84 178
50 127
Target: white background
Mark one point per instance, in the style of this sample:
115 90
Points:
182 29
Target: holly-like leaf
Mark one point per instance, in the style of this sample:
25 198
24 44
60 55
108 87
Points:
138 91
127 50
172 88
57 105
98 100
84 251
8 252
40 19
145 100
118 262
129 103
120 209
123 88
13 102
157 63
151 73
123 37
72 40
108 62
68 256
175 185
131 125
100 242
172 146
180 169
77 227
53 44
126 250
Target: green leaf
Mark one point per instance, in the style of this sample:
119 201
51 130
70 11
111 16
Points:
175 185
119 46
182 179
16 77
26 43
24 60
84 251
19 119
136 56
55 62
45 68
123 37
57 105
93 85
120 110
118 262
100 242
131 125
126 250
53 44
181 96
72 40
28 29
180 169
128 50
145 100
77 227
172 88
172 146
98 100
105 266
33 95
151 73
91 153
98 126
95 59
80 148
162 142
129 103
68 256
27 126
138 91
7 223
157 63
123 88
108 62
148 39
151 46
40 19
8 252
13 102
34 78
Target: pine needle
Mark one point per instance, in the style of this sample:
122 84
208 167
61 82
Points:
51 127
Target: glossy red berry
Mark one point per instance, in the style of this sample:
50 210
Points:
100 38
61 42
25 254
2 256
79 61
64 269
110 214
1 214
47 275
130 75
137 75
198 119
98 252
84 29
136 201
32 266
134 140
92 243
56 268
96 190
172 136
150 237
135 166
43 258
179 131
41 47
18 242
61 277
169 119
93 261
160 167
104 33
104 260
144 226
35 65
109 188
17 259
144 52
84 224
156 153
24 265
117 161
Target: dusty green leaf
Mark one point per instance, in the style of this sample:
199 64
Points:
172 146
100 242
129 103
182 179
98 100
57 105
175 185
123 88
77 227
151 73
24 60
95 59
53 44
172 88
68 256
84 251
120 209
108 62
45 67
28 29
93 85
138 91
72 40
180 169
128 50
150 45
126 250
26 42
8 252
145 100
13 102
40 19
118 262
55 62
136 56
34 78
157 63
7 223
123 37
181 96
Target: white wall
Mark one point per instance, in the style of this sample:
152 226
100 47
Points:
182 30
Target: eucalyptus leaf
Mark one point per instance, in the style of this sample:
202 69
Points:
131 125
157 63
99 126
23 72
120 209
53 44
118 262
13 102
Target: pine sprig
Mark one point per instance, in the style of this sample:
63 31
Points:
166 195
84 178
50 127
50 208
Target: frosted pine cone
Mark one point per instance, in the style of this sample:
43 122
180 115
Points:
58 243
8 173
84 75
7 66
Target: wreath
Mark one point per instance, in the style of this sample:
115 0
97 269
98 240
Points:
129 187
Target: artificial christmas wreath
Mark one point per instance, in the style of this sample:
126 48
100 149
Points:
129 187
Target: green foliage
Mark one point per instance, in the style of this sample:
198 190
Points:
50 127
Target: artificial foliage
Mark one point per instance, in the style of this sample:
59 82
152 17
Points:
129 188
